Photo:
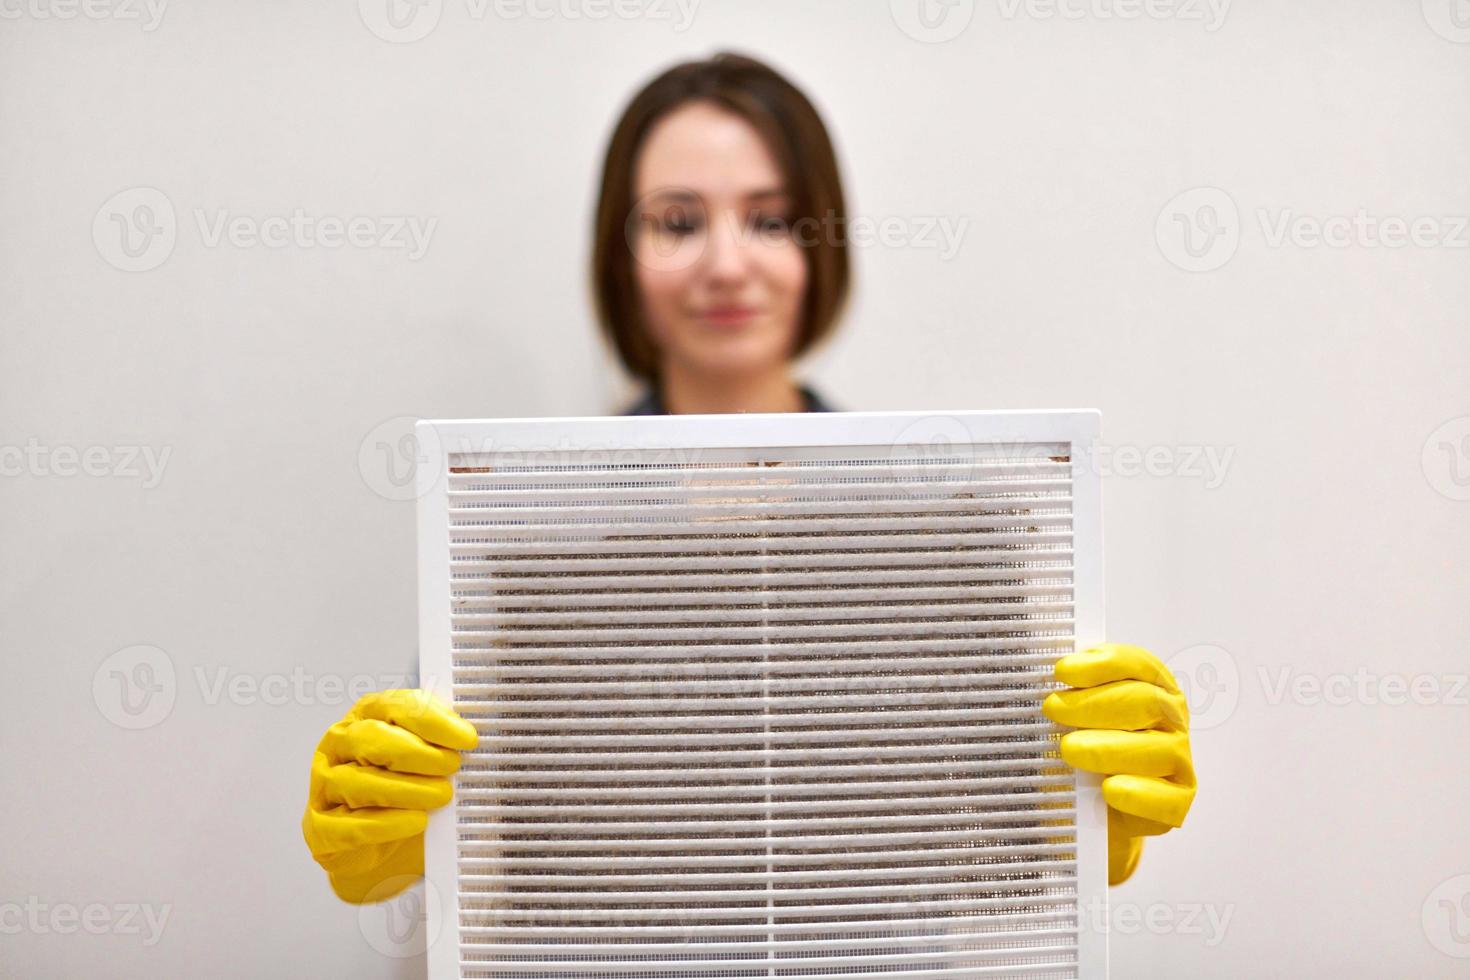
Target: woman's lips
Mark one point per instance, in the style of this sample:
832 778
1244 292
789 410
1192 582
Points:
728 316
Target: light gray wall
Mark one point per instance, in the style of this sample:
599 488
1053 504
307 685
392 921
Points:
1332 383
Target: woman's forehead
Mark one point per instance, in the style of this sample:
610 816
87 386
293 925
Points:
707 150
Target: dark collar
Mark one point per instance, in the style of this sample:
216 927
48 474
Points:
652 403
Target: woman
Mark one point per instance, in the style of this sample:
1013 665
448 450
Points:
711 279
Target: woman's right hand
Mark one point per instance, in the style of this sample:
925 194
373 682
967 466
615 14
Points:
374 777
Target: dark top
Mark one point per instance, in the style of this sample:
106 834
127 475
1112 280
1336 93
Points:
652 403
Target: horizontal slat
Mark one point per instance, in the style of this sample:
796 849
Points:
1061 794
1054 880
609 669
1048 626
829 753
564 832
465 491
753 575
951 857
473 779
805 918
472 711
1029 932
712 617
911 558
468 791
692 526
773 878
599 549
471 845
972 464
788 701
576 595
954 924
491 649
988 686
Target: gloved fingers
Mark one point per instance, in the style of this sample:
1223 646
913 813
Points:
1148 753
343 828
363 786
1127 825
1153 799
421 712
1126 705
379 743
1109 662
397 868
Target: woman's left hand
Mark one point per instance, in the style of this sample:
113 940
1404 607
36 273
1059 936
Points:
1133 728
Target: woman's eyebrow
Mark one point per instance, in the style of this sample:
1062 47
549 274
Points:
768 192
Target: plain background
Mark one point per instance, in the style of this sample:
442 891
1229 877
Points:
1330 828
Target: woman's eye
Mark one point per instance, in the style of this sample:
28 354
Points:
677 221
772 222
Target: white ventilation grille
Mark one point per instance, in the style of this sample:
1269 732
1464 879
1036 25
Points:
760 712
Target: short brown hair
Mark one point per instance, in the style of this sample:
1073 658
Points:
797 138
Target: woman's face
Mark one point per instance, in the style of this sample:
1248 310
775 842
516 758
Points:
720 276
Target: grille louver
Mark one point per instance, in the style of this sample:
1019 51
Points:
762 712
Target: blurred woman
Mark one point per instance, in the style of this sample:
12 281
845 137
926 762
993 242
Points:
714 271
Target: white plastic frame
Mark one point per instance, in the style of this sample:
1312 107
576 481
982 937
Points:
437 439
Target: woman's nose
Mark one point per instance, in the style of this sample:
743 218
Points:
728 251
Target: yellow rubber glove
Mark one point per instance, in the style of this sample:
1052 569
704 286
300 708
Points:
1133 724
374 777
